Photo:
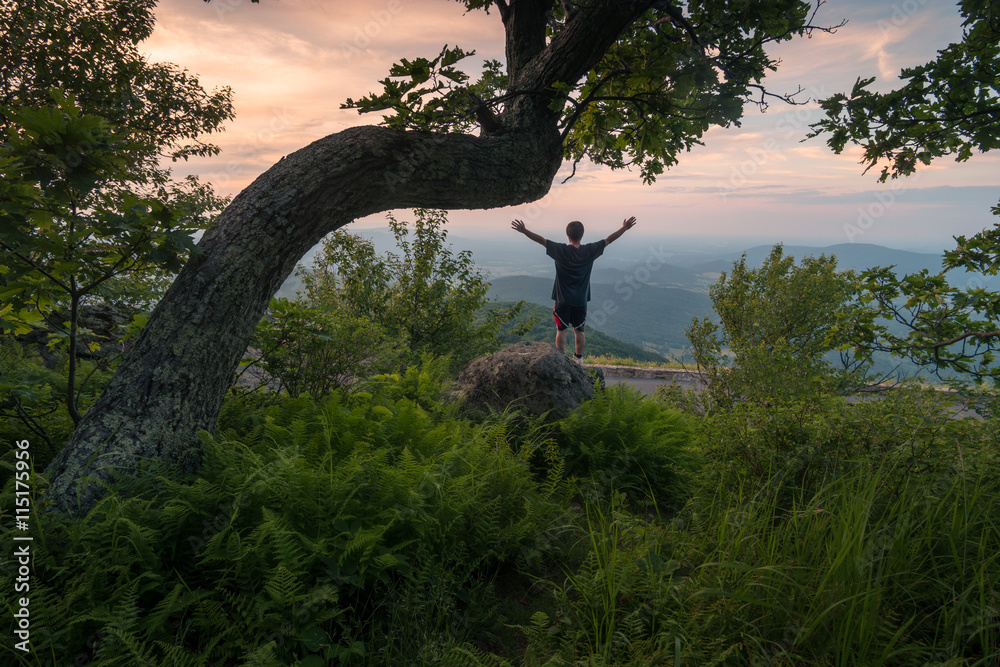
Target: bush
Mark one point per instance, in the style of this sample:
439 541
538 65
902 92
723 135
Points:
774 330
433 299
33 397
796 447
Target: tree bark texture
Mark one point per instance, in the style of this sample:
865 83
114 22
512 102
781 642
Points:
172 383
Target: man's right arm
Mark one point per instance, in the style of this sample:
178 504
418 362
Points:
518 226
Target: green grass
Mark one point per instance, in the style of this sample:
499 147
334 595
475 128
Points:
611 360
862 572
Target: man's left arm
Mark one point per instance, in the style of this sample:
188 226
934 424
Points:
626 225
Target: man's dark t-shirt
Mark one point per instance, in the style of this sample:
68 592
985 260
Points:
573 265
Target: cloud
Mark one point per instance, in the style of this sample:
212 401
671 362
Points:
879 39
292 62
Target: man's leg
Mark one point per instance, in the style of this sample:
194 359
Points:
559 314
580 340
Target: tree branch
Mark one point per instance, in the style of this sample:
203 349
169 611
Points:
525 26
581 106
937 345
569 56
35 266
676 16
503 8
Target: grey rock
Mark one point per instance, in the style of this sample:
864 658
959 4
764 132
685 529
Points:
99 323
533 378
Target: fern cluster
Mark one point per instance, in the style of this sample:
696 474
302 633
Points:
364 532
385 527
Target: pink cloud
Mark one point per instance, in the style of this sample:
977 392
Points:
291 64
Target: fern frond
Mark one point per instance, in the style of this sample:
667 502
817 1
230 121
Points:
282 586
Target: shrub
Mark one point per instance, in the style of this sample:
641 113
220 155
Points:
619 440
774 329
33 397
317 350
425 294
799 446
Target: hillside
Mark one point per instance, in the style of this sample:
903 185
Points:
598 342
698 271
644 315
684 268
662 275
857 256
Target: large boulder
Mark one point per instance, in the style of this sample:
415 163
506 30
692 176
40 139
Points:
99 323
534 378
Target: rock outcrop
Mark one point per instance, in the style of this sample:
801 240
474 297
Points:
99 323
534 378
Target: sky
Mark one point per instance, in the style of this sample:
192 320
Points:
291 63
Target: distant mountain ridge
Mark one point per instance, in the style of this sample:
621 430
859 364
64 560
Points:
650 302
857 256
699 272
655 260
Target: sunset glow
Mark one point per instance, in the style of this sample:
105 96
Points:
292 63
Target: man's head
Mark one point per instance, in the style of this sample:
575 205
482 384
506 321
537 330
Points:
574 231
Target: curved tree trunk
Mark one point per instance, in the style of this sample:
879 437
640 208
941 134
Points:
173 381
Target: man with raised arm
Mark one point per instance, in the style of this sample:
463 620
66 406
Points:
571 290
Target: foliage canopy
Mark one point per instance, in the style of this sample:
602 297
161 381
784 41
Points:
85 207
70 223
668 78
90 50
948 106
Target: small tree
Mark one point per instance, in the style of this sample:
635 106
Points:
318 350
426 295
87 212
776 324
69 222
